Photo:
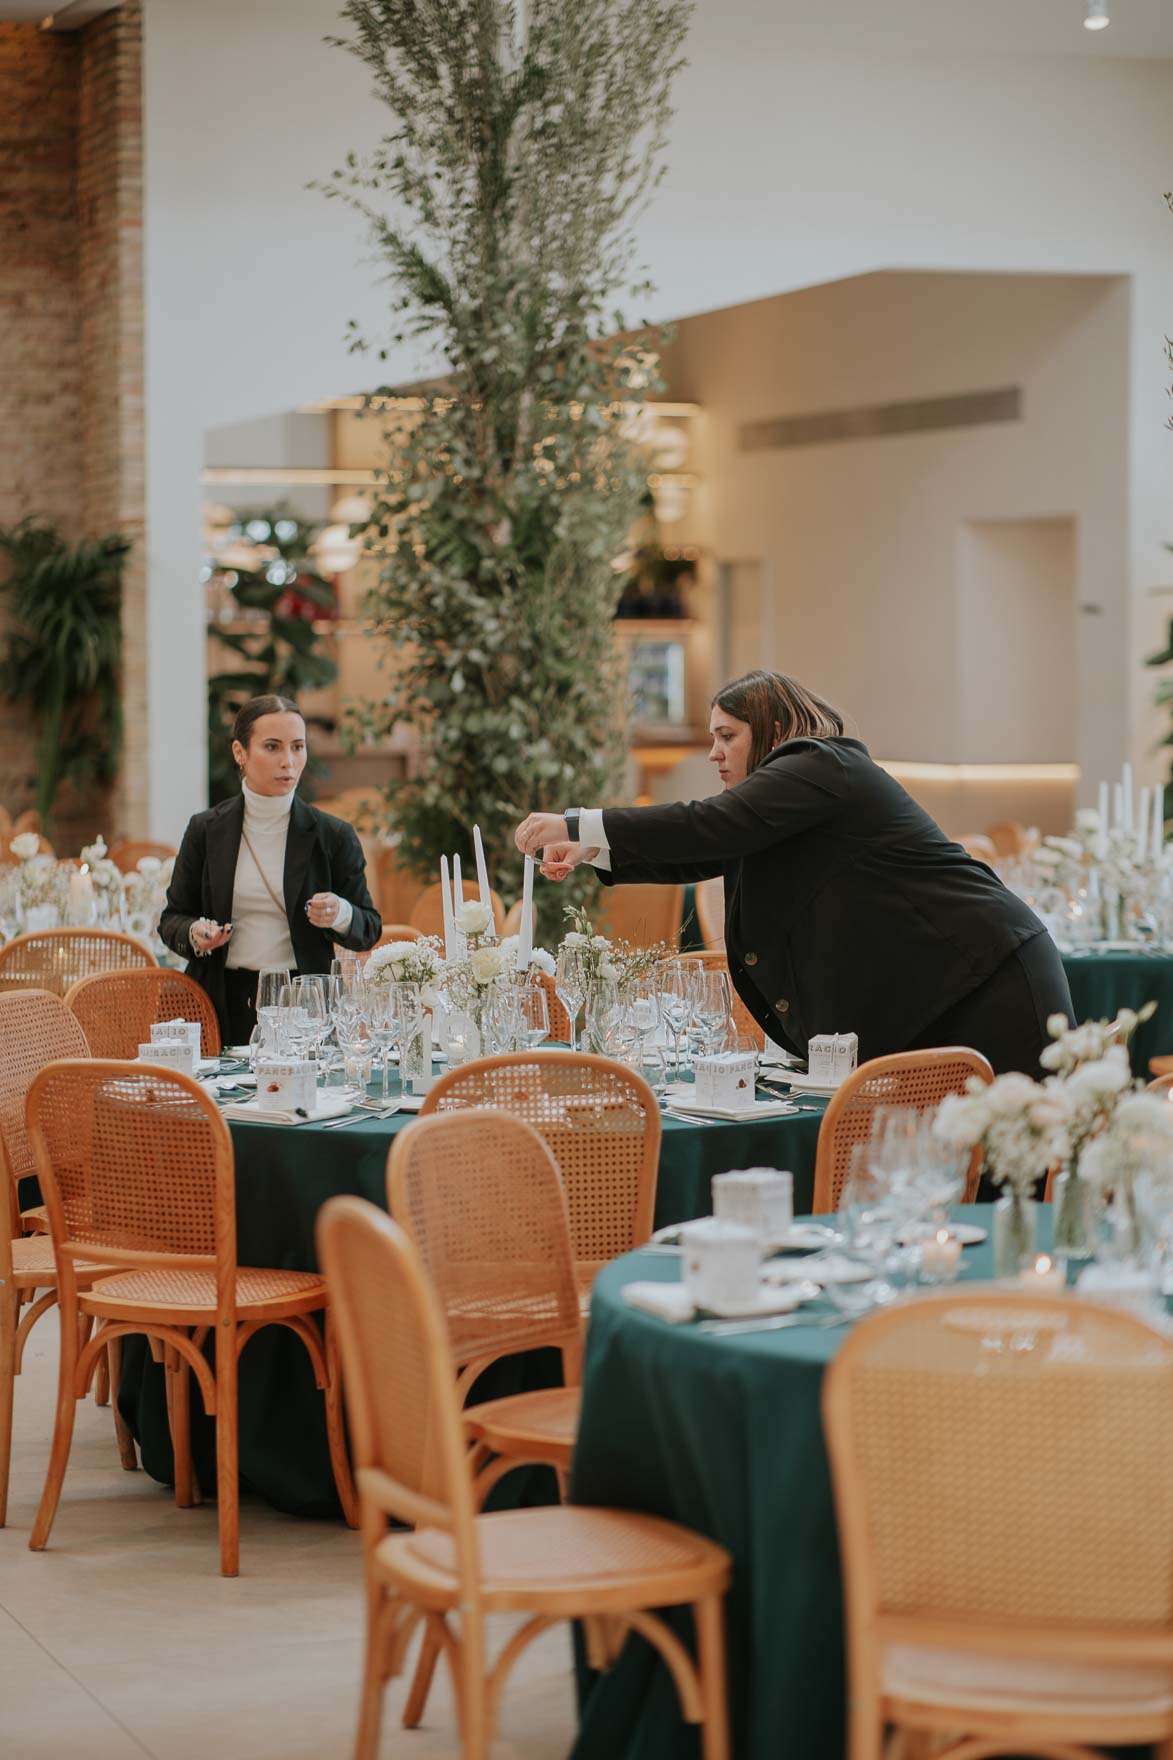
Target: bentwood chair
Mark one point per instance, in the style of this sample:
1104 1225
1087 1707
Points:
643 915
455 1567
129 852
54 959
743 1020
35 1028
117 1010
710 911
136 1167
427 914
916 1079
1008 1576
513 919
600 1122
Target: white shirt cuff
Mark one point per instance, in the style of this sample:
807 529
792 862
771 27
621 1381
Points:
602 861
590 830
342 921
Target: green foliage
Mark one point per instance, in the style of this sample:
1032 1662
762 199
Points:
512 173
282 653
62 651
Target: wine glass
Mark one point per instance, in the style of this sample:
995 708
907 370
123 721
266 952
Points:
535 1014
570 988
348 967
502 1016
407 1019
676 1000
713 1007
379 1015
271 981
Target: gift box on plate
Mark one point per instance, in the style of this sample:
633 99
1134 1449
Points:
284 1083
170 1054
760 1198
831 1057
724 1079
178 1029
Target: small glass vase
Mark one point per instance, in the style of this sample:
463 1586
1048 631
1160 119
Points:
1073 1211
416 1068
1015 1229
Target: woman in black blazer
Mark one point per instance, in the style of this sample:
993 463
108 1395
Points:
847 909
264 879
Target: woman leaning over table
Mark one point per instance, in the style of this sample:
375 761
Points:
847 909
264 879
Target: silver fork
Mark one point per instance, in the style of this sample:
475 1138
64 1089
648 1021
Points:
772 1323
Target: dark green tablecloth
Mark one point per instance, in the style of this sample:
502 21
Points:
284 1174
1102 983
724 1435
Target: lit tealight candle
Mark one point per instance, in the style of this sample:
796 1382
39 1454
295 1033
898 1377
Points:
939 1256
1044 1274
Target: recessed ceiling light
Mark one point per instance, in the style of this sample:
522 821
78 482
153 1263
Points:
1097 17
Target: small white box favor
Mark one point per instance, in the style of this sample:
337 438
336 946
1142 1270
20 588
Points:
831 1057
178 1029
285 1083
758 1197
722 1261
725 1079
169 1054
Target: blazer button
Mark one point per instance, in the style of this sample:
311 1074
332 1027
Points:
782 1007
751 959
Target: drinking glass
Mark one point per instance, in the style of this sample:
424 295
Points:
570 988
407 1019
712 1007
677 989
348 967
379 1015
502 1017
271 981
535 1014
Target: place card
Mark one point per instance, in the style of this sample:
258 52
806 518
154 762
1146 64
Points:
178 1029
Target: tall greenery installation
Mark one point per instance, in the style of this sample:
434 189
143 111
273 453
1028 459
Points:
521 148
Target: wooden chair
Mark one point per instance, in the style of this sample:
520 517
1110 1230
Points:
600 1122
399 932
129 852
54 959
643 915
29 820
1160 1085
397 890
710 912
978 845
966 1431
513 919
6 830
428 911
743 1020
118 1009
918 1079
1161 1066
1008 837
136 1168
603 1566
35 1028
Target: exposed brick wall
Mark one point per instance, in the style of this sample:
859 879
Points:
71 321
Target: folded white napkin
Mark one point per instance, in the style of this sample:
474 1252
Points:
823 1268
667 1301
328 1106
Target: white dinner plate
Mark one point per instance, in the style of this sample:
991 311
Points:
831 1268
807 1084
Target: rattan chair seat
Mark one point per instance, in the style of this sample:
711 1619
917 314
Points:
34 1265
545 1421
601 1556
188 1298
1024 1684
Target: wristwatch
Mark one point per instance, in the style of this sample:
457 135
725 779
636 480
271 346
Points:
571 816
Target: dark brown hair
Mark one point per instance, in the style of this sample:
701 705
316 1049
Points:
769 699
249 713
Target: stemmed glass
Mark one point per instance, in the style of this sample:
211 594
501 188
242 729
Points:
502 1016
677 989
713 1007
380 1018
271 982
535 1014
570 988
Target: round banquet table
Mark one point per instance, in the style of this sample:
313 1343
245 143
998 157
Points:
1102 982
724 1435
284 1174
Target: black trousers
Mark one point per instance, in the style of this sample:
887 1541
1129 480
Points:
1005 1018
240 998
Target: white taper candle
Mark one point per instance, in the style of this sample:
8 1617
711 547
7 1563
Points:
525 940
1102 833
446 906
1117 806
1126 785
1158 822
1142 825
478 850
457 901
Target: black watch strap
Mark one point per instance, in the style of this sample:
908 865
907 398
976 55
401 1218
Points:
571 816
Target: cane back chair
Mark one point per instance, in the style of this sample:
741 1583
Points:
1009 1576
710 912
456 1566
600 1122
127 854
643 915
54 959
35 1028
136 1167
117 1010
916 1079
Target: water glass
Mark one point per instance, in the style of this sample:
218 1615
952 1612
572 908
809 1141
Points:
271 981
535 1014
676 994
571 988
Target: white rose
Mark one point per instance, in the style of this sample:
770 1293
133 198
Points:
487 963
1056 1025
1087 819
574 939
148 865
26 846
608 972
473 917
541 961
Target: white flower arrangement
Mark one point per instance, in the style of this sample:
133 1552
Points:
1091 1042
408 962
1137 1139
539 960
25 846
474 918
604 961
41 881
1021 1125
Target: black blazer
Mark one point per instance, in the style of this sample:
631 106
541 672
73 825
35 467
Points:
322 854
847 909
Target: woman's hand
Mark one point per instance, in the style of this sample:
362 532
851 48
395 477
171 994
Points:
322 909
207 936
561 859
539 831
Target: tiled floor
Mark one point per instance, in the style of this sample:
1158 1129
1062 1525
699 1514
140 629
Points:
122 1641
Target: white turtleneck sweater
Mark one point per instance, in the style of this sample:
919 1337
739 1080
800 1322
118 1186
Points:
260 932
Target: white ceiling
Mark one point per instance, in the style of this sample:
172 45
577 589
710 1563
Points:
1139 28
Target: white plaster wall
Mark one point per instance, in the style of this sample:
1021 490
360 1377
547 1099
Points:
789 165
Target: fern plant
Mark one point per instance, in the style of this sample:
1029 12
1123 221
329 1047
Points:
515 161
62 651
